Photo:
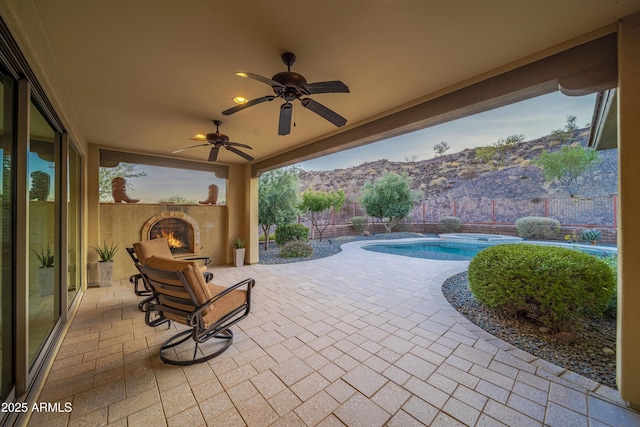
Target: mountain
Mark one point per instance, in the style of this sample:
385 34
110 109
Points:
465 174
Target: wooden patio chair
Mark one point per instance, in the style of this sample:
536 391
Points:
181 295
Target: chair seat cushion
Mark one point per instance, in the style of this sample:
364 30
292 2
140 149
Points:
203 291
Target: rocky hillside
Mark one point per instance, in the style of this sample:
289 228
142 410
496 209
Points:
465 174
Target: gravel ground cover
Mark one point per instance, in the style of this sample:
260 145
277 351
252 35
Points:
592 356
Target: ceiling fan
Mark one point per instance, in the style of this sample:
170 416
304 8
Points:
290 86
218 140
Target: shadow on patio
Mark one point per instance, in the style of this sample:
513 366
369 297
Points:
358 338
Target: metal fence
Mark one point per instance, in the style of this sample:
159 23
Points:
571 212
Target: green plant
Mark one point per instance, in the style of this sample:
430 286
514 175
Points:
277 199
566 166
551 284
389 199
291 232
45 256
590 235
449 224
359 223
272 237
612 307
238 243
106 252
296 249
571 238
320 206
537 227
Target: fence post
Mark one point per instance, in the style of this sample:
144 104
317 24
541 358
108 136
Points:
455 208
546 208
493 212
424 213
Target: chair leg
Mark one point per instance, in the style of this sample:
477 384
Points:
184 336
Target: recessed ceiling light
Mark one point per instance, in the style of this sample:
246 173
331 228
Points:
201 136
239 99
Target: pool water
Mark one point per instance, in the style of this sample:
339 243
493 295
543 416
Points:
428 250
458 251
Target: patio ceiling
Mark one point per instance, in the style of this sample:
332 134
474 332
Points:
147 75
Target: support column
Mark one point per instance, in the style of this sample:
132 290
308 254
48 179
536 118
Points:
628 354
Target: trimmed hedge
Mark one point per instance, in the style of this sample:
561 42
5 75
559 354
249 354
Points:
291 232
551 284
296 249
537 227
449 224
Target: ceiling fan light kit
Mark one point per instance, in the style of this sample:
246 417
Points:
290 86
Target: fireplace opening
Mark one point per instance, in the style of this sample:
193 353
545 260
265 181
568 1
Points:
179 235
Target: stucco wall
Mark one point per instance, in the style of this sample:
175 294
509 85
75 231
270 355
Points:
122 224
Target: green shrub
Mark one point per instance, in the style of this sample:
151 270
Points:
551 284
359 223
296 249
289 232
612 307
449 224
272 237
537 227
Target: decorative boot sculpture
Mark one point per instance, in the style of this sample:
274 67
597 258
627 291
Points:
119 191
213 196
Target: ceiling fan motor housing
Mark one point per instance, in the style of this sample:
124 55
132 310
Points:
217 138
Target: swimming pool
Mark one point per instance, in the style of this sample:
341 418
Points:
446 250
440 250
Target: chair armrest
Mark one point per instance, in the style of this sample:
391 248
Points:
206 259
249 283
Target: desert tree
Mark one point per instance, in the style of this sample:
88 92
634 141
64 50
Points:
320 206
567 165
389 199
277 199
441 147
567 134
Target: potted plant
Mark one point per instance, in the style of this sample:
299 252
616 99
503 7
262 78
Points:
239 252
105 266
45 273
591 235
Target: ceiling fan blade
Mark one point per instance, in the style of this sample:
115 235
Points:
323 111
239 153
237 144
284 125
259 78
193 146
247 104
335 86
213 155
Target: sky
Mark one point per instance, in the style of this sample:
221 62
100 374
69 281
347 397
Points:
533 118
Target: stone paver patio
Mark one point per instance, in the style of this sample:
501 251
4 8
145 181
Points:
356 339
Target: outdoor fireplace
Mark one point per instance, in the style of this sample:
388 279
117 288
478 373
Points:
180 230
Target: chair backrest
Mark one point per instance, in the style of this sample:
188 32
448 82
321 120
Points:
179 286
155 247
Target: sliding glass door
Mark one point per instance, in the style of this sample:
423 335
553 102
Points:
44 286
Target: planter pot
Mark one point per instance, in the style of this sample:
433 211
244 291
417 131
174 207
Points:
45 281
239 257
105 273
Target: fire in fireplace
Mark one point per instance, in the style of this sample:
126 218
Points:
179 235
180 230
